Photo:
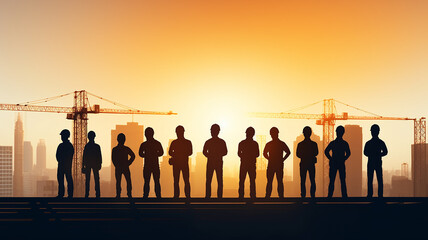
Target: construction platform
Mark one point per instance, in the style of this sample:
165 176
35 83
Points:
228 218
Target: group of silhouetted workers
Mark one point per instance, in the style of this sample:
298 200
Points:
275 151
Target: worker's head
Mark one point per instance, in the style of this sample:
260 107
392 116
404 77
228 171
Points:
274 132
149 133
91 136
121 138
250 132
375 129
307 132
215 130
65 134
179 130
340 130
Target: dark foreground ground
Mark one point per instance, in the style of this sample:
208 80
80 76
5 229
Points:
355 218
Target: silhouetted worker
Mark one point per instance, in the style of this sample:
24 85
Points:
375 149
151 150
307 151
340 152
92 160
180 150
274 153
248 151
214 149
64 156
122 157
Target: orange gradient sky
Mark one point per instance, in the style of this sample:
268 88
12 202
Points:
213 61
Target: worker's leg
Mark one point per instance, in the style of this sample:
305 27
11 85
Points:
370 172
269 175
146 175
70 187
332 175
97 183
209 177
118 175
311 170
186 179
127 174
176 174
87 181
242 176
60 178
303 171
280 179
219 175
252 175
156 178
342 174
379 176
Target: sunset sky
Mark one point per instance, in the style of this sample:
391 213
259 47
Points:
214 61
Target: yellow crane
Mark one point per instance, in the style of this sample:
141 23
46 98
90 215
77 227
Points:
79 114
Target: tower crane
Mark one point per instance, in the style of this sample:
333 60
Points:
328 119
79 114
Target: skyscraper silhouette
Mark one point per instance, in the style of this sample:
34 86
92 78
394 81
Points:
419 169
6 187
41 157
28 157
18 158
29 178
354 164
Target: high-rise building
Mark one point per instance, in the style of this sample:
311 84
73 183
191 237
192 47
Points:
318 168
405 170
419 169
198 178
29 178
41 157
28 157
18 158
134 137
354 165
401 186
6 186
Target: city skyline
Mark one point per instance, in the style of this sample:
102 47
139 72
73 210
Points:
236 57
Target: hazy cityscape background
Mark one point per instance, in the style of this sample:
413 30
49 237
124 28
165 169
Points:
24 173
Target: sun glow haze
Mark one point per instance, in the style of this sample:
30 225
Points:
212 62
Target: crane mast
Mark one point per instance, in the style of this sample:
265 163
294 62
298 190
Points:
79 114
328 119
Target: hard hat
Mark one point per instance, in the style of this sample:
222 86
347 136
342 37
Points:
65 133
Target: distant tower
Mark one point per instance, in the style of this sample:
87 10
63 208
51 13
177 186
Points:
18 158
318 167
405 170
134 137
261 161
198 177
419 170
29 180
6 186
41 157
354 165
28 157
